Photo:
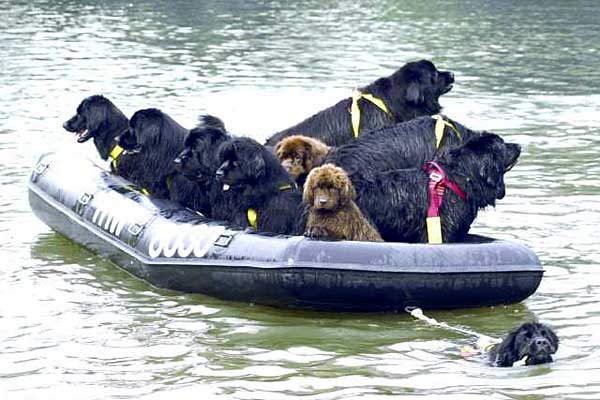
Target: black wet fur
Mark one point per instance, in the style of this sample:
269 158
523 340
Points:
397 200
404 145
255 172
533 341
155 139
199 162
103 121
411 91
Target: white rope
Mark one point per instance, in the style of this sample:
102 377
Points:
484 342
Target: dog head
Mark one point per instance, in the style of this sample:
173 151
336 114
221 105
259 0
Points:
300 154
198 160
417 86
96 117
243 161
328 188
482 161
533 341
151 130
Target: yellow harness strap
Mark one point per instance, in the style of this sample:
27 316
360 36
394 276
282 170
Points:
252 217
251 213
355 109
440 127
114 155
434 230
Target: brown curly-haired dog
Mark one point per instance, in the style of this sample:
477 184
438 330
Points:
332 214
300 154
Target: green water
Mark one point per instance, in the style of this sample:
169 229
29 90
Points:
73 325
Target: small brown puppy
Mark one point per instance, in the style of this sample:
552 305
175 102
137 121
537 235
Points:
300 154
332 214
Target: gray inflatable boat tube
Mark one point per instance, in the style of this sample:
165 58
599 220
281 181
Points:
175 248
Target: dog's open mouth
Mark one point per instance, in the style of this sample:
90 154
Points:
83 136
447 88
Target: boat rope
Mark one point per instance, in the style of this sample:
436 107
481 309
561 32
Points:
484 342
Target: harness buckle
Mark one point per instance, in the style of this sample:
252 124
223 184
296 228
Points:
435 177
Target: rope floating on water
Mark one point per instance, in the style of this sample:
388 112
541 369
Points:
484 342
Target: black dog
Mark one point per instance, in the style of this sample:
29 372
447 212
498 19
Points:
199 162
533 341
412 91
405 145
155 140
397 201
268 200
98 118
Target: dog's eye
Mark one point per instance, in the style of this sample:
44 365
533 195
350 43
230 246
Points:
434 76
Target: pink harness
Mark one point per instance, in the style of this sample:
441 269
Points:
437 188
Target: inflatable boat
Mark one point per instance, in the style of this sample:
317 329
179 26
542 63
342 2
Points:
173 247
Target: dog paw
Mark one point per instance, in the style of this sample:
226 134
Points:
316 233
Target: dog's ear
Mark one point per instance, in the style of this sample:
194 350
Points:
316 152
308 194
513 151
148 125
97 113
507 352
487 175
414 92
148 134
551 336
256 166
347 191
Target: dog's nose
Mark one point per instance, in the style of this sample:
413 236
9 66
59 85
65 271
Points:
450 77
322 200
541 342
65 125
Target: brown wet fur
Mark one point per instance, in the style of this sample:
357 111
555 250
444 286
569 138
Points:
332 213
300 154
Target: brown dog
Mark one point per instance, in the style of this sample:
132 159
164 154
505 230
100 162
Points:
300 154
332 213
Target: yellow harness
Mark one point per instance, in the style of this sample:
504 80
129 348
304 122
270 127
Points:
440 127
434 223
115 153
355 109
252 215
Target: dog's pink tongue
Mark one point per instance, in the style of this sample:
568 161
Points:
82 136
